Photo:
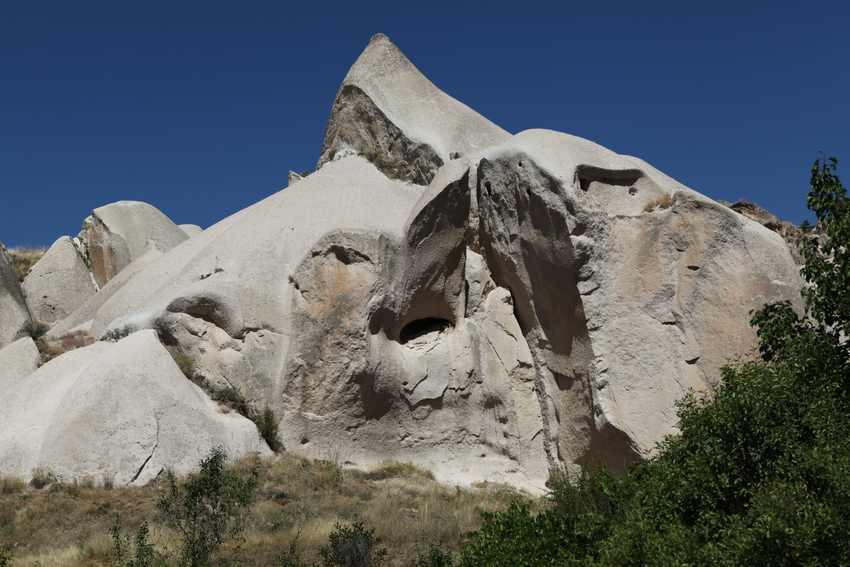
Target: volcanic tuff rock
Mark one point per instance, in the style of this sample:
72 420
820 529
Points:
116 234
15 318
121 410
438 291
17 361
58 283
387 111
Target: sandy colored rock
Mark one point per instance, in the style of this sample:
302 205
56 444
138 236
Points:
631 288
438 292
390 113
15 321
191 229
116 234
120 411
17 361
58 284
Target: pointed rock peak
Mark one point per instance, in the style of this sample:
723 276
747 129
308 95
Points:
387 111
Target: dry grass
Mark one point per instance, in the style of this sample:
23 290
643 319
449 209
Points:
661 202
69 525
50 348
23 259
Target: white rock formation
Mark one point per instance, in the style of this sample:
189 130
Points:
15 321
120 411
485 305
191 229
116 234
17 361
58 283
387 111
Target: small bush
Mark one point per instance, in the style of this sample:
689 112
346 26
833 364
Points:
267 426
233 399
142 553
395 469
5 556
661 202
352 545
208 508
43 477
434 557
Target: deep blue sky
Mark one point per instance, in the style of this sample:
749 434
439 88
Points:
202 108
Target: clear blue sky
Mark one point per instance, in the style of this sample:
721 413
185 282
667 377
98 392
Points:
202 108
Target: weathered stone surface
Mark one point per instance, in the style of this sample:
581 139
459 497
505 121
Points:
15 321
116 234
792 234
58 284
631 289
191 229
17 361
537 301
390 113
120 411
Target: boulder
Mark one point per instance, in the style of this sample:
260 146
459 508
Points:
58 283
17 361
121 411
15 320
390 113
116 234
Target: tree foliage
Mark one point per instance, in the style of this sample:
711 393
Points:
207 508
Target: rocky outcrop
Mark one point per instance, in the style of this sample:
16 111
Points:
391 114
15 320
484 305
58 284
121 412
792 234
630 288
116 234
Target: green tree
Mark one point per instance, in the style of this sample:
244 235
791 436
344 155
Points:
208 508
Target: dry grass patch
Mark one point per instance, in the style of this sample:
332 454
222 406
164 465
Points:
661 202
23 259
297 500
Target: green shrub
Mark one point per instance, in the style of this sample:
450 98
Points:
267 426
208 508
434 557
141 554
5 556
352 545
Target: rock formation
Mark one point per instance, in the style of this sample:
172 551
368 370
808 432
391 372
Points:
120 411
439 291
15 320
116 234
58 283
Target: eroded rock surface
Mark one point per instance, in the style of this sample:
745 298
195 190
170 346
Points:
390 113
116 234
484 305
58 284
115 411
15 320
